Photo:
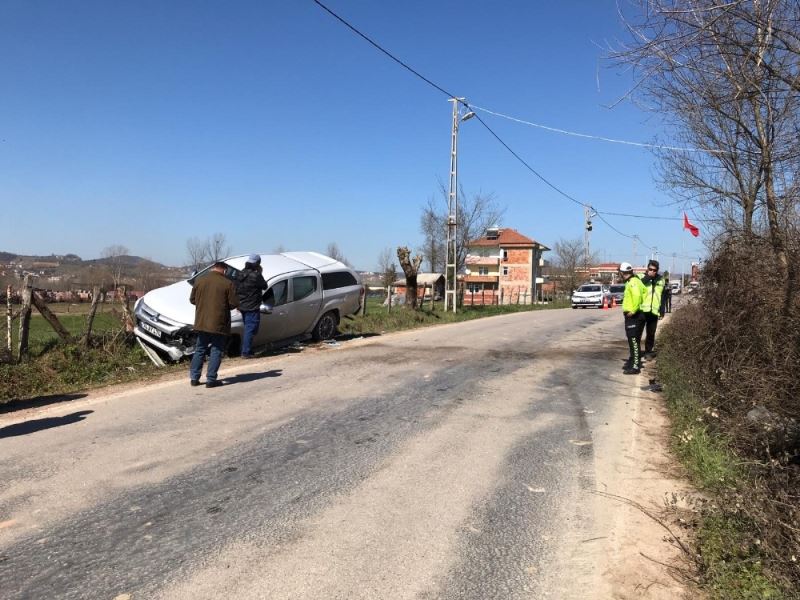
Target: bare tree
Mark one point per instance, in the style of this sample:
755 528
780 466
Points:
336 254
569 258
218 247
387 267
197 252
148 276
726 77
410 268
433 225
115 262
476 213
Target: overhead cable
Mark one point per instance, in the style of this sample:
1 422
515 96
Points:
597 137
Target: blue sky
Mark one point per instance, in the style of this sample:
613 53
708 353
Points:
147 123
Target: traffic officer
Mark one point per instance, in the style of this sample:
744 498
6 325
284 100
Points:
652 305
634 317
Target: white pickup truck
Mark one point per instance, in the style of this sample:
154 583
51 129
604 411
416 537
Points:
307 295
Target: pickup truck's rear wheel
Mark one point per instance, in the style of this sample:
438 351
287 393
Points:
325 328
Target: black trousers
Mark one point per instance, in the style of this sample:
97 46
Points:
634 325
650 324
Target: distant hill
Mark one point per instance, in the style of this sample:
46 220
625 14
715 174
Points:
7 257
127 262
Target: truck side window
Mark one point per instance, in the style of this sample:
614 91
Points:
337 279
277 294
303 286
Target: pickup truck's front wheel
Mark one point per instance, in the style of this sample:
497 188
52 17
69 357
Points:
325 328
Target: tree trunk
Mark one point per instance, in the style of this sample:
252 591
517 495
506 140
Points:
410 268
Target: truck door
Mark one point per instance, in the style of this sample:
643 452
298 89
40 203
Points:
274 325
304 304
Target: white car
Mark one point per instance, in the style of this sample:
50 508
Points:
307 295
590 294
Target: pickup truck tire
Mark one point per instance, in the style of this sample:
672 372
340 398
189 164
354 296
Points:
325 328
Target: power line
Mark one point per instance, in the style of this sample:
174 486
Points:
616 214
466 105
380 48
598 137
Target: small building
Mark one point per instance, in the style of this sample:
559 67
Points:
425 283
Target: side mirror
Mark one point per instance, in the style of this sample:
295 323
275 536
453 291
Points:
265 309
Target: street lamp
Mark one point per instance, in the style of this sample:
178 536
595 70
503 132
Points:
451 266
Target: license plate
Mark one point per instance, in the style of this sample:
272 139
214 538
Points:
150 329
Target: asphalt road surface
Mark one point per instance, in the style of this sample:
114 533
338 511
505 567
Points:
457 461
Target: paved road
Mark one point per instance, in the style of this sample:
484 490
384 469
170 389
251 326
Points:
452 462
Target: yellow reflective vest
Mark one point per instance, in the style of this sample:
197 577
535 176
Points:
654 289
633 296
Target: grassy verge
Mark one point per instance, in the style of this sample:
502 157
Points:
727 541
380 320
56 367
61 368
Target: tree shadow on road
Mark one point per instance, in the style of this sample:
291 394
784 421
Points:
38 401
246 377
42 424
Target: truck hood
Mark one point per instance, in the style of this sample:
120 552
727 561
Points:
172 301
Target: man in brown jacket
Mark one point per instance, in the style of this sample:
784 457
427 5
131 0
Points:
214 296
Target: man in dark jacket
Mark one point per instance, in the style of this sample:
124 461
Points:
214 296
651 305
250 285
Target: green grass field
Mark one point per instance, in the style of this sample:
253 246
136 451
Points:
41 334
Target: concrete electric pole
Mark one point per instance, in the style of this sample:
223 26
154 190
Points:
451 266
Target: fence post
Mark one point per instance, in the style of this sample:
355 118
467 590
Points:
9 290
48 315
127 318
389 288
364 304
96 295
24 319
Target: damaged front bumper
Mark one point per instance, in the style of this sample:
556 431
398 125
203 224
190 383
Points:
158 334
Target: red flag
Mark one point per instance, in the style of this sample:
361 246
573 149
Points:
695 231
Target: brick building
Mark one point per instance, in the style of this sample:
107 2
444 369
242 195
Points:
503 265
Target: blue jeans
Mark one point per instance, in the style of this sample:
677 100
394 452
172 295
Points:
212 344
251 319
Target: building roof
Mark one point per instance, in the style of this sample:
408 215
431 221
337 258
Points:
422 279
507 237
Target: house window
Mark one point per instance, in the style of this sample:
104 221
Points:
483 270
474 288
505 270
505 254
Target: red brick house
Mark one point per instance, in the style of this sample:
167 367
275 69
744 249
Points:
503 266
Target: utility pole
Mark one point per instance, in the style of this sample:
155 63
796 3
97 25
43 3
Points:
588 213
635 239
451 263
